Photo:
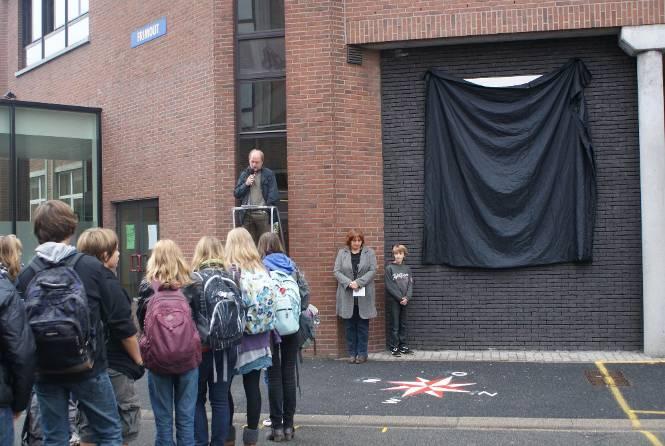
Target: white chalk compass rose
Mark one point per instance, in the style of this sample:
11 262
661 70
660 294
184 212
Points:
434 387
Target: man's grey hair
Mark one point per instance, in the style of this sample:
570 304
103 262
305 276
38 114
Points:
260 152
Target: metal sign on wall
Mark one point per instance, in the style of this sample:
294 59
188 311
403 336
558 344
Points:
149 32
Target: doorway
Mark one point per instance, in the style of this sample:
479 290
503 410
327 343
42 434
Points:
138 231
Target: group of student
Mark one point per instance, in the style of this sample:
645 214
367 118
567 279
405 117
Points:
202 322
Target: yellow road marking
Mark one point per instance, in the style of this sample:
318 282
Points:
652 438
384 430
630 413
650 412
618 396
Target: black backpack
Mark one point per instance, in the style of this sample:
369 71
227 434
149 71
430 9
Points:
222 308
58 313
223 311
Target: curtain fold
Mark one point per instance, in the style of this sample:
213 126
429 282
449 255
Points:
509 172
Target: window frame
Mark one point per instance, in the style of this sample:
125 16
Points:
43 193
49 30
69 169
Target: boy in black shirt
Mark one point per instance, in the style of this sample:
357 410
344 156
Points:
125 364
399 291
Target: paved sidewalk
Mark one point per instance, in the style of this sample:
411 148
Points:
518 356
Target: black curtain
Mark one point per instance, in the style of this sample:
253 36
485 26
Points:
509 172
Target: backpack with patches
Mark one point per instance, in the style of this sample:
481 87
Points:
222 307
170 344
58 313
258 297
287 302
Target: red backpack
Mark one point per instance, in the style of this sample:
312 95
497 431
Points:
170 344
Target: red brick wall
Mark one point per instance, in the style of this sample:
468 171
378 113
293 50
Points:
167 120
371 21
3 45
334 155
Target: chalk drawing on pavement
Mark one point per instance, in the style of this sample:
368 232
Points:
434 387
371 380
392 401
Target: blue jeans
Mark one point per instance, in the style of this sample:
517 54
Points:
95 398
6 426
165 390
357 334
218 394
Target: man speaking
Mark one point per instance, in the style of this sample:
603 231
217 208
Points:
256 186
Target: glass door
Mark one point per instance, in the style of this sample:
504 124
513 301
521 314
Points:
138 231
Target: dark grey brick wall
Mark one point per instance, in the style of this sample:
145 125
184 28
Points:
595 306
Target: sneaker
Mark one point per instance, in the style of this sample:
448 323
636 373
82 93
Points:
289 433
267 422
405 350
395 352
276 435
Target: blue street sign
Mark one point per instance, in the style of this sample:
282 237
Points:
149 32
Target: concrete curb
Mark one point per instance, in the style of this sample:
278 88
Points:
566 424
519 356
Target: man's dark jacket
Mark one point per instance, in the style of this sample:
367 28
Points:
17 349
268 187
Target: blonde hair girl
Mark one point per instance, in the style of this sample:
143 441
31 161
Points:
168 266
254 350
208 262
10 255
209 253
241 251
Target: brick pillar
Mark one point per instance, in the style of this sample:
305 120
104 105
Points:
4 39
334 156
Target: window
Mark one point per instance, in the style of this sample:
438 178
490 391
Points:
69 180
262 105
50 26
261 89
55 157
38 192
260 15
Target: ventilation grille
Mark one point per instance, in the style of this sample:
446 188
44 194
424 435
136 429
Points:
354 55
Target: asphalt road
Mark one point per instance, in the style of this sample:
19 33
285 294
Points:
468 403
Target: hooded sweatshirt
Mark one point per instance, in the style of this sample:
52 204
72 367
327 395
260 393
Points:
280 262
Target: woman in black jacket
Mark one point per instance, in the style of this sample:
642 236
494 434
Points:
17 346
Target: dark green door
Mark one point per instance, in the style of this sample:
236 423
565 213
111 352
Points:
138 231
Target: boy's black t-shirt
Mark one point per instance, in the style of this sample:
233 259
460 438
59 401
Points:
104 312
118 358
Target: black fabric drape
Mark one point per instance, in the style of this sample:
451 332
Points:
509 172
